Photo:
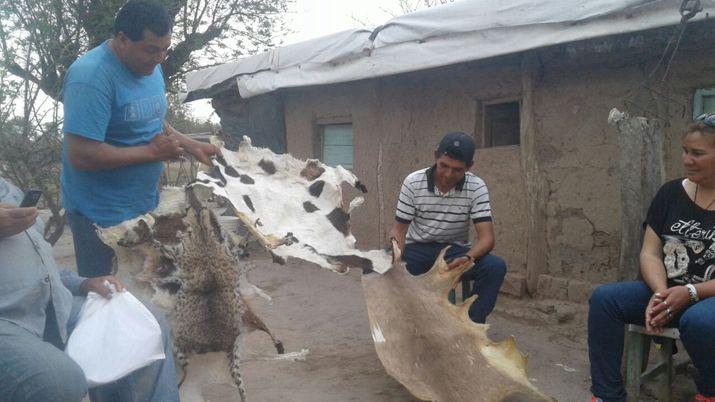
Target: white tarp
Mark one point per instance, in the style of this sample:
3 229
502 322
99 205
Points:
462 31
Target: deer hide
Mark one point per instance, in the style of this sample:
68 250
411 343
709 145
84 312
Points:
432 346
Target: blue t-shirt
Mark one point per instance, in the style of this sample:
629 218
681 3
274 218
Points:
104 101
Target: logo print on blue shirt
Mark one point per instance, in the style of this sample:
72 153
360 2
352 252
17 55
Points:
151 107
131 113
146 109
157 108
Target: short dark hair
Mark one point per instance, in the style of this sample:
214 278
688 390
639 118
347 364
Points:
137 15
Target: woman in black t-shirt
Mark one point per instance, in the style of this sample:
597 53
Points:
677 264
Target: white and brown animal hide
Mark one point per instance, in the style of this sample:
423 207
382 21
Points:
293 207
431 346
180 258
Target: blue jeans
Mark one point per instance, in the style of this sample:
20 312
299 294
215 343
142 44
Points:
36 369
614 305
94 258
487 273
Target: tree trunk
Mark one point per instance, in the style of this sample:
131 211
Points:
642 172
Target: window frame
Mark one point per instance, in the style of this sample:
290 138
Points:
484 138
319 144
698 104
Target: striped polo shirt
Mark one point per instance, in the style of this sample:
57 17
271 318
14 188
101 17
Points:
437 217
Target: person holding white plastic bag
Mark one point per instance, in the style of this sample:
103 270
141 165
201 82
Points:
38 312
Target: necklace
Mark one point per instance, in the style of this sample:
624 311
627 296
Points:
695 198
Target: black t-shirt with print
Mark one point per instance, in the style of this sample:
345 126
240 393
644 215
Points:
687 232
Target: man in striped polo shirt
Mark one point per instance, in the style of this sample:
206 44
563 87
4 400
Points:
434 210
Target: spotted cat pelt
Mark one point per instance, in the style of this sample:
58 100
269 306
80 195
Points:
179 257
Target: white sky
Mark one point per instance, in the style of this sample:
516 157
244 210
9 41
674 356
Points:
314 18
310 19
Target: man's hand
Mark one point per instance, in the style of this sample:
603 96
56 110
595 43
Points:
202 151
459 261
97 285
14 220
166 147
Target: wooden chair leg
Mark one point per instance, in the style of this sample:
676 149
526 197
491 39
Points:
666 356
638 346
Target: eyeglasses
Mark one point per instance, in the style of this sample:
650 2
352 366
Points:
707 119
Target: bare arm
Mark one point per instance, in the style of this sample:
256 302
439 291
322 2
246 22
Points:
399 232
480 248
653 273
706 289
90 155
651 262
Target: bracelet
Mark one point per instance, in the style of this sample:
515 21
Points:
693 293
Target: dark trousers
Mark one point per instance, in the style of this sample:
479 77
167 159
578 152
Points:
487 273
94 258
614 305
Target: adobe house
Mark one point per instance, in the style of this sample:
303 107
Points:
533 81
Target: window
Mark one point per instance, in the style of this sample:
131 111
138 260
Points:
501 124
704 102
337 145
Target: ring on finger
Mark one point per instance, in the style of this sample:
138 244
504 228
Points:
666 303
669 313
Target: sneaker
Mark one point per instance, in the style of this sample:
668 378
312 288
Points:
702 398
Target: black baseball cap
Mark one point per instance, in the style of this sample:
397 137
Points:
458 146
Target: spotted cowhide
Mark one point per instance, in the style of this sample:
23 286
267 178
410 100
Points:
293 207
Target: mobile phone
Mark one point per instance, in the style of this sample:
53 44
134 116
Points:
31 198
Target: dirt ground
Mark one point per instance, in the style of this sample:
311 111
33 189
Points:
325 312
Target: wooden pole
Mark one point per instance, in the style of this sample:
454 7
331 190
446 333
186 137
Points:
535 183
640 141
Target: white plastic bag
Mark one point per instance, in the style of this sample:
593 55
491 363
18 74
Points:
114 337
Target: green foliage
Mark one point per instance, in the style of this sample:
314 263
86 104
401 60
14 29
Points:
40 39
181 118
30 146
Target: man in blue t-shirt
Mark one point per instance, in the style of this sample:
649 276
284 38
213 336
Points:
115 133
